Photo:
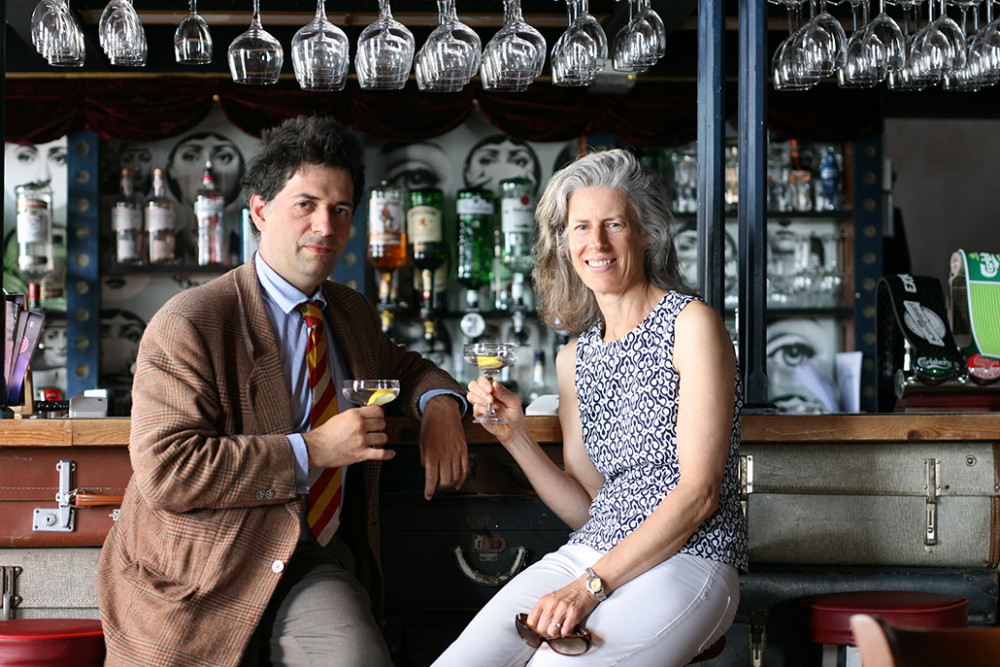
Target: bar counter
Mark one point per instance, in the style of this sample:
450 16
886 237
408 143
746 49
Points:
852 428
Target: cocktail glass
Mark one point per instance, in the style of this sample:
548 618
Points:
370 392
490 358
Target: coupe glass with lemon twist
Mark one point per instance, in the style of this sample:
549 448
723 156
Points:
370 392
490 358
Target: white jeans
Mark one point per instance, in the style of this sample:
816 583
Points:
662 618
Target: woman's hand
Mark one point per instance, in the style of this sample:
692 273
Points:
506 403
559 612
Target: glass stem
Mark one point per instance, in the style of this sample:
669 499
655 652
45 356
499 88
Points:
512 12
256 13
384 12
320 10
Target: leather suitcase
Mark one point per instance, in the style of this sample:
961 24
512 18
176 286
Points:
60 496
49 582
909 504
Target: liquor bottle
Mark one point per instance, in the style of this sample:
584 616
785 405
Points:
425 240
161 226
475 242
387 238
209 208
539 387
517 223
829 180
799 179
126 223
34 230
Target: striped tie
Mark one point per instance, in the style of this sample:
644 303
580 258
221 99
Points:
325 484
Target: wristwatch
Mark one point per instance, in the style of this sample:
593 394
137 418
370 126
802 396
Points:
595 585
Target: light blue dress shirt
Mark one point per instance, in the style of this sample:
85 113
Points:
281 299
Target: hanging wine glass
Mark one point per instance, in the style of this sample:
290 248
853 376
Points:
908 76
823 41
255 56
451 55
582 51
320 53
884 44
192 39
855 69
385 52
121 34
56 35
786 65
515 56
641 42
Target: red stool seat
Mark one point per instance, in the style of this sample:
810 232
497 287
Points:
713 651
51 642
829 616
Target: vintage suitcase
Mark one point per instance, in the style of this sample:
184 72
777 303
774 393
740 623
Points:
445 558
60 496
49 582
909 504
769 629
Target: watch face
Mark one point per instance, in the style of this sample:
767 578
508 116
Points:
595 584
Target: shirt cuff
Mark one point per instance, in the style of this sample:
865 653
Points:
301 454
463 405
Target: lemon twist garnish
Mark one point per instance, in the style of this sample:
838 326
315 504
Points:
488 362
381 397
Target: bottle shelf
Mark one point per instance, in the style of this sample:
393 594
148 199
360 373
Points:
125 269
839 214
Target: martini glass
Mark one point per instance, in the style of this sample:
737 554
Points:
490 358
370 392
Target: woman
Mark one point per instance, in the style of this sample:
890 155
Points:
649 403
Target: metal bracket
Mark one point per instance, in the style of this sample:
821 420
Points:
8 589
746 479
59 519
757 640
932 485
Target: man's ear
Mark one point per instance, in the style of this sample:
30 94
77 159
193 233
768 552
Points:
258 212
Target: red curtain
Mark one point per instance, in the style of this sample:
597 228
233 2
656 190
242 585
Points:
650 114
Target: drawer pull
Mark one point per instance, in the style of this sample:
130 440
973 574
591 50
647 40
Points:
474 575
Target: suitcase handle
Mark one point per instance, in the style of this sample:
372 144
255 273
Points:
95 500
483 579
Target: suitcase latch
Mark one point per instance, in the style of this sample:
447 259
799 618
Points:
8 589
58 519
932 484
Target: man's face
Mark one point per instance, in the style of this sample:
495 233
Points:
304 230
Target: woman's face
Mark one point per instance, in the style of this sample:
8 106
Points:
605 245
492 162
792 344
139 161
188 164
38 163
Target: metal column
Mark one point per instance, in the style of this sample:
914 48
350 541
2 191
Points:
711 147
752 325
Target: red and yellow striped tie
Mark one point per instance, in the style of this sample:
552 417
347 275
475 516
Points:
325 484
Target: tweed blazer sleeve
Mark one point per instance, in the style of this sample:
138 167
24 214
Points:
211 408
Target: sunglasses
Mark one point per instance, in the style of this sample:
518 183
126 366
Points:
575 644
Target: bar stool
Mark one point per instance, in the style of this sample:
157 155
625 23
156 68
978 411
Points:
828 617
51 642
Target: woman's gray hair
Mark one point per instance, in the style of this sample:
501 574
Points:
565 303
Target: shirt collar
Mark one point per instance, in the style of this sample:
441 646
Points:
285 295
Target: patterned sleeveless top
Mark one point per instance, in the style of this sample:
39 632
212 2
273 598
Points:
627 392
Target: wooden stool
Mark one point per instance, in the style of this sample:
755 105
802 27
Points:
712 651
51 642
828 617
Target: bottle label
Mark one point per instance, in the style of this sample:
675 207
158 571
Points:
209 207
517 214
385 220
124 217
127 245
159 217
474 205
33 221
424 225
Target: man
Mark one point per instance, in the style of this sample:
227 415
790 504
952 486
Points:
213 560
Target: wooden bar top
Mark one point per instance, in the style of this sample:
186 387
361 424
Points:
860 428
